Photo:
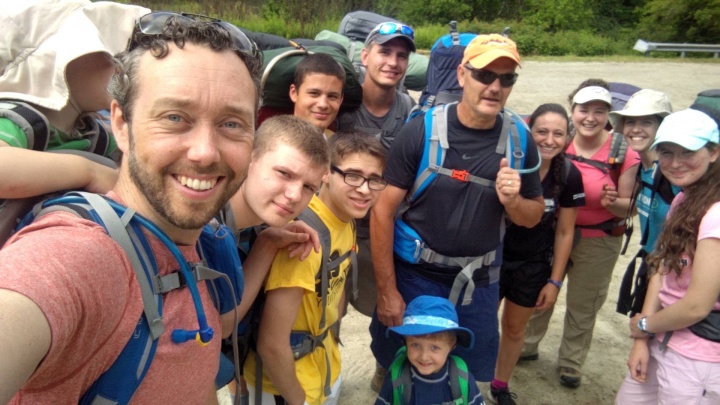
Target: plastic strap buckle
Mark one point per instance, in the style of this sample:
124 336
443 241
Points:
461 175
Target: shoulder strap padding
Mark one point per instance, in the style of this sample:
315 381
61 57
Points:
458 376
119 383
401 378
311 218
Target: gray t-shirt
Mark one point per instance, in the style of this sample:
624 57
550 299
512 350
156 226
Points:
385 127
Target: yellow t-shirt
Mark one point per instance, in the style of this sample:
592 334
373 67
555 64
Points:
290 272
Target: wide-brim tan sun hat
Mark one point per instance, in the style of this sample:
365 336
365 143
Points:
41 37
643 103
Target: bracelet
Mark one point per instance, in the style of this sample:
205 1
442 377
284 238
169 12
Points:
557 284
642 325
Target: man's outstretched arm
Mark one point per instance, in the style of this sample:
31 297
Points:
24 341
390 305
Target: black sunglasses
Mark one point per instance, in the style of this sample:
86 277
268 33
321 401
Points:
154 24
356 180
487 77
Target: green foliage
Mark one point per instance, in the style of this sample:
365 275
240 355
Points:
540 27
558 15
694 21
418 12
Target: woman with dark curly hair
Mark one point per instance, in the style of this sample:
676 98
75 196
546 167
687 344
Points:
608 182
534 259
681 364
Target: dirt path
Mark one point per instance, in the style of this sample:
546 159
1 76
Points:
536 382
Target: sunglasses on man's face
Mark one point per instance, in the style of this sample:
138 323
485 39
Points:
154 24
488 77
390 28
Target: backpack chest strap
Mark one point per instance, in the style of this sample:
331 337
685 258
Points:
175 280
308 344
462 175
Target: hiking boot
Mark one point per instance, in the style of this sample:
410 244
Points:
501 397
378 379
529 357
569 377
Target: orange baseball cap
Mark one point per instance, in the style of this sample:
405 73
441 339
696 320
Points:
484 49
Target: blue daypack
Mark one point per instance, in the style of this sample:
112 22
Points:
446 55
216 246
407 243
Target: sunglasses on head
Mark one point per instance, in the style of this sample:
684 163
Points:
488 77
154 24
390 28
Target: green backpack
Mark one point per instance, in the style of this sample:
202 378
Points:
401 377
279 73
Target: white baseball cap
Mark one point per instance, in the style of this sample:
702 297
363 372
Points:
689 128
592 93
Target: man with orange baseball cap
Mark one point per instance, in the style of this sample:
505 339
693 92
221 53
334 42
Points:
447 238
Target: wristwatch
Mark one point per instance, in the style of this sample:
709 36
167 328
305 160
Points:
642 325
557 284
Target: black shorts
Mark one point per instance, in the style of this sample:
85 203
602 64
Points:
521 282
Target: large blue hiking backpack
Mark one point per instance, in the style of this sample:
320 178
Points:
407 243
216 246
445 56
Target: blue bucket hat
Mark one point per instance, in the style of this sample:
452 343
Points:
427 314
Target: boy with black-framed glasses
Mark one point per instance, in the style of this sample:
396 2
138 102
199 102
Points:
299 304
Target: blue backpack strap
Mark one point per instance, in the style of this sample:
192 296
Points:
407 243
120 382
217 247
513 138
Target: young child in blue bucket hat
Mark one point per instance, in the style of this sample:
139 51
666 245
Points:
424 371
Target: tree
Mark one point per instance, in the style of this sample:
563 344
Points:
433 11
559 15
693 21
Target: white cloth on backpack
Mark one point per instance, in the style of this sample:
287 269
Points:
40 38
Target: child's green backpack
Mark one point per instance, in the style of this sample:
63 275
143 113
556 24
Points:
401 377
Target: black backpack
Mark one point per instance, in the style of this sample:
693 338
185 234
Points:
357 25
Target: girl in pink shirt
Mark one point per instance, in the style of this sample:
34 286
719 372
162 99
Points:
672 361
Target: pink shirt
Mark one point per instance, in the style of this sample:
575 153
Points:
593 179
674 288
83 283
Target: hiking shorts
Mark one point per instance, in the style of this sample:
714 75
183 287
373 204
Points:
480 316
521 282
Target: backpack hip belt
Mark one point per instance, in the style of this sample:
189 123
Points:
465 276
308 344
407 243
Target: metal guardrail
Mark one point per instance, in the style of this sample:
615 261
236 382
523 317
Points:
646 47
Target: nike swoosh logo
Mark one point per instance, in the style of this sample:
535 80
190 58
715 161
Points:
466 157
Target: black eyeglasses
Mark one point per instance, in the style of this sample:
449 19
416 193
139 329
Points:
154 24
356 180
487 77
